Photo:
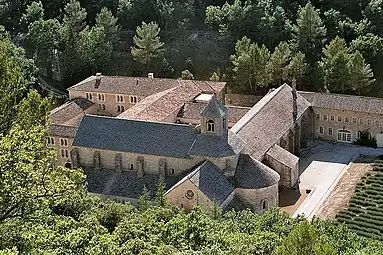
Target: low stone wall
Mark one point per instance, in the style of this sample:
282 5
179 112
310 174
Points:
241 99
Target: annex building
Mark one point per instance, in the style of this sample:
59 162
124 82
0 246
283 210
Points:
127 132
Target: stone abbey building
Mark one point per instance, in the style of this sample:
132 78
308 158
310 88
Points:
126 132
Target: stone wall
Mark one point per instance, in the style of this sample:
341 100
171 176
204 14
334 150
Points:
254 197
151 162
289 176
357 121
178 197
241 99
110 101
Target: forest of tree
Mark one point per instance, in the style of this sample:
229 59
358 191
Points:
334 46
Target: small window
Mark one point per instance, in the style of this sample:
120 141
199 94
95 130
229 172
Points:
63 142
354 120
210 126
359 134
318 116
347 119
64 153
171 171
131 167
133 99
360 121
120 98
377 123
51 140
321 130
120 108
265 204
368 122
101 97
89 96
324 116
101 107
332 118
330 132
339 119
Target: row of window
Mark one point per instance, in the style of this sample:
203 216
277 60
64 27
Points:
119 98
102 107
63 141
343 135
352 120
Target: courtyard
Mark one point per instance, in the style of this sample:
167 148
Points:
322 164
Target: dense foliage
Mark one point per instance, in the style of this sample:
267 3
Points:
326 45
365 213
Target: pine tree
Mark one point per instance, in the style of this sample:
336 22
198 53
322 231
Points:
309 33
147 44
278 66
106 20
335 65
361 75
144 200
160 192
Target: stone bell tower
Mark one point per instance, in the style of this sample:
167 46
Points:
214 118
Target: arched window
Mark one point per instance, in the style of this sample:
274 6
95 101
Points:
210 126
265 204
344 136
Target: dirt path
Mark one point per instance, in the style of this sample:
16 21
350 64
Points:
343 191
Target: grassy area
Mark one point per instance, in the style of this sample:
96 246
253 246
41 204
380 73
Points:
365 211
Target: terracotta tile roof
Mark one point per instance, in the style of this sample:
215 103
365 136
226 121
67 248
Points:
268 121
163 106
69 110
283 156
140 86
252 174
192 110
344 102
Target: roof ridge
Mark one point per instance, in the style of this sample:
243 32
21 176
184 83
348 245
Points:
276 91
338 94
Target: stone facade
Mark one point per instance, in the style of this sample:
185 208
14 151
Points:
331 123
259 200
108 104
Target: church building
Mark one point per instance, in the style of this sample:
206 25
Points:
126 133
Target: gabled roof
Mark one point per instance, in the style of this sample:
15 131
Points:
125 184
208 178
344 102
214 109
192 110
150 138
252 174
69 110
62 131
165 105
140 86
268 121
283 156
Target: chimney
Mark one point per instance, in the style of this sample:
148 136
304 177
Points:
150 75
98 80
